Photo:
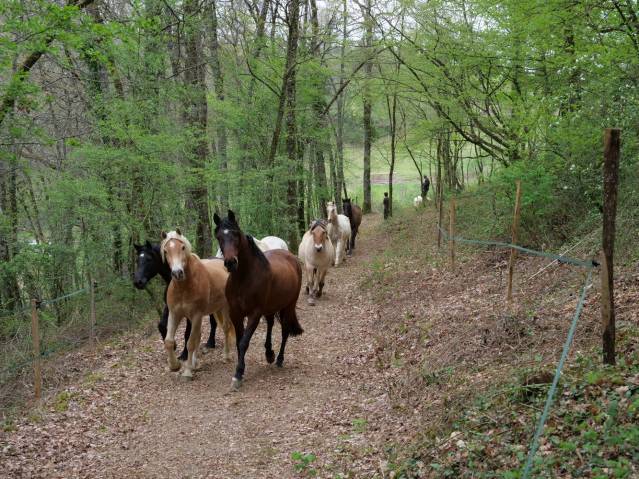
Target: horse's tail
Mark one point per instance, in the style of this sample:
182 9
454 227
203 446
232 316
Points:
294 326
288 318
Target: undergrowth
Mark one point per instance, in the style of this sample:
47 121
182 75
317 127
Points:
592 431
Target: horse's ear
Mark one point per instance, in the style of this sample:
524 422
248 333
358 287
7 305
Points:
231 217
163 234
177 230
216 219
137 247
147 243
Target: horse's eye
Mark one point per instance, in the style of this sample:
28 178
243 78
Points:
182 247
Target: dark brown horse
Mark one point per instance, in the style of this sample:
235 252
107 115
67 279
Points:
260 284
354 214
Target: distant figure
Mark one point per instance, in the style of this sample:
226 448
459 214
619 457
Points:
425 187
417 201
386 203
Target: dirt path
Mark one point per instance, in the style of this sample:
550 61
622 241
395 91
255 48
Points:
133 418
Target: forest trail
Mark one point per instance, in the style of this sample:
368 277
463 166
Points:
133 418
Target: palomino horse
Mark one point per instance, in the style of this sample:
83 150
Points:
339 230
196 291
260 284
317 254
354 214
149 265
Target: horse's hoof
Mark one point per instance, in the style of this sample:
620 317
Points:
187 376
311 301
174 367
270 356
236 384
319 294
280 363
209 346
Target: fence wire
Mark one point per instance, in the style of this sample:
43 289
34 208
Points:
589 265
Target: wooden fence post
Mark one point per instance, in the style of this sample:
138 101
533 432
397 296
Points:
451 240
612 142
513 251
92 285
35 337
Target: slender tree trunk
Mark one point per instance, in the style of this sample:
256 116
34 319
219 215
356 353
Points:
367 101
291 128
218 82
392 116
196 119
339 166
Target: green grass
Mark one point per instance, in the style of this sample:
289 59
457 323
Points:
406 185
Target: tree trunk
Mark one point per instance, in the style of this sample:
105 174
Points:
368 128
291 128
218 82
195 117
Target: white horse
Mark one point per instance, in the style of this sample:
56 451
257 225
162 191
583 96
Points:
265 244
339 230
417 201
317 254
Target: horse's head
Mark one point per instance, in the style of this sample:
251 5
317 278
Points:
229 236
147 265
319 234
331 210
175 250
347 207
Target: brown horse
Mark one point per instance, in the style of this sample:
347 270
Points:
260 284
197 289
354 214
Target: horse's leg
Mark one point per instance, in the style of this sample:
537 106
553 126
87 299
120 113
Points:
169 342
163 322
251 325
285 317
210 343
310 284
270 355
187 334
322 275
338 255
229 332
192 345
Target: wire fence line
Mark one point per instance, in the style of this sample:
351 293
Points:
589 266
67 327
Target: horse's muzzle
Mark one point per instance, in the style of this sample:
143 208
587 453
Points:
139 283
231 264
177 274
318 247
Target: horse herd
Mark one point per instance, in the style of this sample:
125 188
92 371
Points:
248 280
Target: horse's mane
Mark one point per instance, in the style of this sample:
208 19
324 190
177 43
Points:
347 206
320 223
174 235
256 250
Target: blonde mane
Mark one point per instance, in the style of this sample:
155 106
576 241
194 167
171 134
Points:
174 235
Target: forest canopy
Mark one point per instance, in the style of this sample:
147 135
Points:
122 118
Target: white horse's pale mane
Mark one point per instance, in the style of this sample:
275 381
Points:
174 235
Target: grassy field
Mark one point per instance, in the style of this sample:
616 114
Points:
406 178
406 184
